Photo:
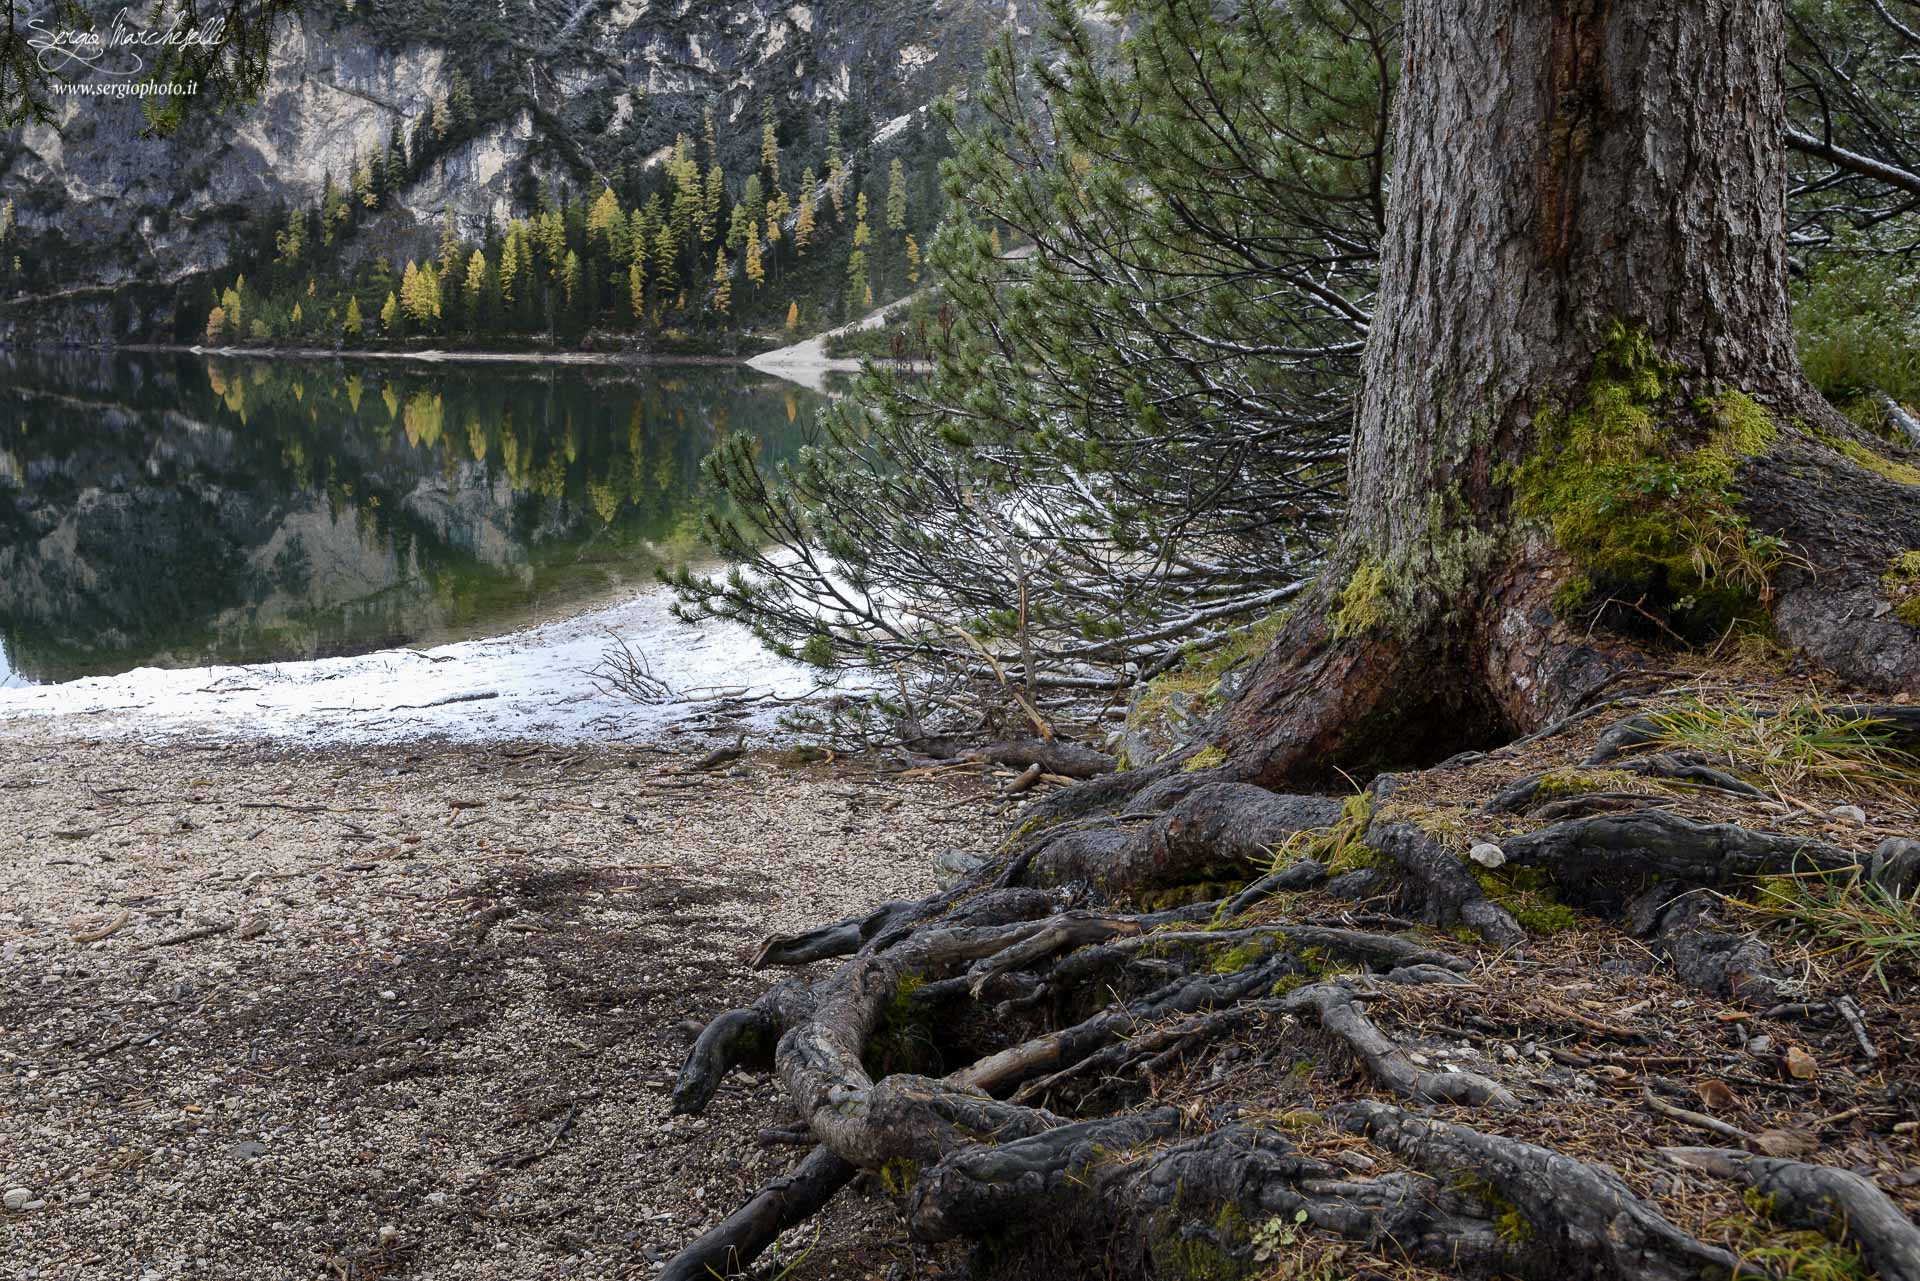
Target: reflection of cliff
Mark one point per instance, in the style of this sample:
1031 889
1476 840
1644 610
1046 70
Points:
170 511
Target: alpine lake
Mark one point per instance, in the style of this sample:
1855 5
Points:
181 510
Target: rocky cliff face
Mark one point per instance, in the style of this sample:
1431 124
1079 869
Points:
109 221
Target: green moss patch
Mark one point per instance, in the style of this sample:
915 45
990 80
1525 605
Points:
1854 451
1635 506
1901 582
1526 893
1360 602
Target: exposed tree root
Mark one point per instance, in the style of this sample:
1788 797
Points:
1839 1203
1338 1011
736 1241
1058 1002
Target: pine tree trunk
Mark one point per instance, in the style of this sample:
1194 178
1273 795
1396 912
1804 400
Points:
1572 178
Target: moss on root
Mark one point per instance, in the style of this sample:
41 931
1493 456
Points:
1562 783
1209 757
1901 583
1853 451
1198 678
1636 510
1527 895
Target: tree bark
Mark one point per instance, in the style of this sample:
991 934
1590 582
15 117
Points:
1568 176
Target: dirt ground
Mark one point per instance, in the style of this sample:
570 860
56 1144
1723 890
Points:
407 1011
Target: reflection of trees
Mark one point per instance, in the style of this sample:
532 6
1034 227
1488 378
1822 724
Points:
442 525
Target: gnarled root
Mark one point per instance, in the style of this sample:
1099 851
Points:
1837 1202
1498 1206
1337 1008
736 1241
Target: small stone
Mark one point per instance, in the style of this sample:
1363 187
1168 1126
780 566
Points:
1761 1044
1487 854
1851 813
388 994
1800 1064
388 1232
16 1198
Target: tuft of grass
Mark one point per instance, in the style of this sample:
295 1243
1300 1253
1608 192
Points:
1803 1254
1862 924
1792 745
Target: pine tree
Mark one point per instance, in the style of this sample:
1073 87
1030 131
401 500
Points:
836 166
777 210
442 123
291 240
859 293
737 227
570 274
396 157
666 273
476 282
390 314
862 235
722 281
710 203
353 322
793 316
896 196
769 144
605 212
216 323
449 244
335 210
713 150
913 261
803 221
459 104
297 317
363 187
755 272
510 261
637 288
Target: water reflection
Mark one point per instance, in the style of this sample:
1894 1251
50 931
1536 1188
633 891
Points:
173 510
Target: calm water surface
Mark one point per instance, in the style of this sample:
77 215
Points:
175 510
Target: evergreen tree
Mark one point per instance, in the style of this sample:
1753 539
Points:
913 261
442 124
353 322
737 227
862 234
390 316
396 157
570 275
896 196
836 166
475 285
601 219
510 261
755 272
710 203
216 324
793 316
449 245
335 210
769 144
666 274
459 104
722 281
637 287
859 291
803 220
291 240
